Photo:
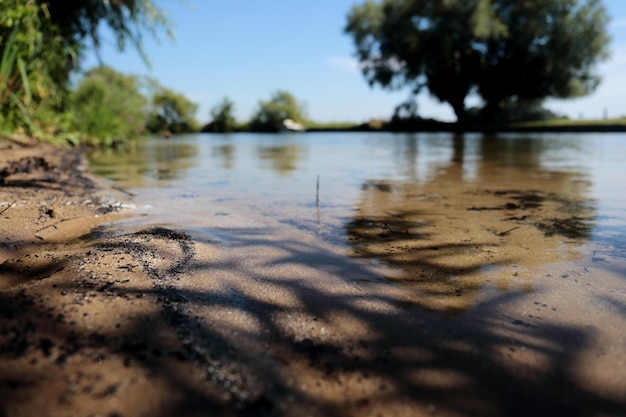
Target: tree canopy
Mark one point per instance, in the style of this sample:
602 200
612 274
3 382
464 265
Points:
503 50
78 20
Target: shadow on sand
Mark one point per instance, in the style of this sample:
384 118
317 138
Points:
307 349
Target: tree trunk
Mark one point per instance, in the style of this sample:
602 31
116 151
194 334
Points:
491 110
458 106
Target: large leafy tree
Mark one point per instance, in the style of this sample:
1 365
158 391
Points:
504 50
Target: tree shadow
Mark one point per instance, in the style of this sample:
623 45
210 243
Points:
316 341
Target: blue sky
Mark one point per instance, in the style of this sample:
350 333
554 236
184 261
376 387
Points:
247 49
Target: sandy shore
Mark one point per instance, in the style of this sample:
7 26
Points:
158 321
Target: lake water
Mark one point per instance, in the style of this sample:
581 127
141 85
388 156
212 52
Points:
316 181
448 217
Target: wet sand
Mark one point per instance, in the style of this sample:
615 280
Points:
483 302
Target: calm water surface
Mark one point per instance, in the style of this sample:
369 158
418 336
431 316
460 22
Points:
315 182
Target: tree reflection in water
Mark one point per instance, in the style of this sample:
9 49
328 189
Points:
487 216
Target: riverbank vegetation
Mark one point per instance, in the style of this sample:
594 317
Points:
108 107
268 116
41 45
430 125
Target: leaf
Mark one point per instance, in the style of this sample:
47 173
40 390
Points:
28 97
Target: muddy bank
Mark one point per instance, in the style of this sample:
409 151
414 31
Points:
158 320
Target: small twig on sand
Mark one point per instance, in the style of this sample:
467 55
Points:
124 191
399 216
55 224
387 227
506 232
7 207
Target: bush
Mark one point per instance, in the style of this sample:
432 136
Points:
108 107
222 118
270 114
170 112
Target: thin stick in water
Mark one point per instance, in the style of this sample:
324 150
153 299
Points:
317 192
317 200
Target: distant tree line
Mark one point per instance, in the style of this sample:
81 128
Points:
112 106
267 117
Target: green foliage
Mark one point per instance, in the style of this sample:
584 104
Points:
40 43
270 114
77 21
504 50
30 99
7 66
170 111
222 118
108 106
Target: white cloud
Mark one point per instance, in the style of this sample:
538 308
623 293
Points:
352 65
616 64
345 64
618 23
198 97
